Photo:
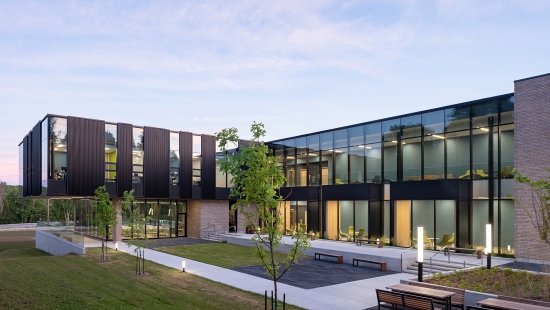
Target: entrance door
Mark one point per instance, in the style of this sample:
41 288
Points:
232 220
181 221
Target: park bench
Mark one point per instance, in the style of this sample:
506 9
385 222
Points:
370 261
525 301
457 300
339 258
393 299
359 242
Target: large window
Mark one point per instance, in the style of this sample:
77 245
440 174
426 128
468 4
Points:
374 162
434 157
290 173
412 159
197 160
357 164
137 155
45 153
458 155
327 163
110 152
314 169
175 158
301 161
58 132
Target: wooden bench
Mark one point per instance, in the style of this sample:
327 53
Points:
393 299
457 300
525 301
357 260
339 258
359 242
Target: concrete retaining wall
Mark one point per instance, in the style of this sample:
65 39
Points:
56 246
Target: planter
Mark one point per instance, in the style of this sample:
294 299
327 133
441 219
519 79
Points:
313 237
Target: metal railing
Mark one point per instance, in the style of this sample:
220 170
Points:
412 247
431 257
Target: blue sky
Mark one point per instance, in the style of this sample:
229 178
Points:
297 66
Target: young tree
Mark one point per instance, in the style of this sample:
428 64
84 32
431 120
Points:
256 181
539 214
105 217
137 223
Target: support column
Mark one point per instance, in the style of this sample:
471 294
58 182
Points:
117 229
48 219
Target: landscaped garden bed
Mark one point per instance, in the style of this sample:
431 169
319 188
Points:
498 281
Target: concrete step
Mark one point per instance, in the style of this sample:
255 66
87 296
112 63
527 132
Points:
415 272
434 268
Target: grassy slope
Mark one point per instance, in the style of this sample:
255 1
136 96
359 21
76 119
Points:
219 254
71 282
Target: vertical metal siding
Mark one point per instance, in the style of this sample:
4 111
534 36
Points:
186 165
36 161
156 170
25 166
124 158
85 155
208 169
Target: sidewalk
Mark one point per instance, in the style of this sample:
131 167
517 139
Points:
350 295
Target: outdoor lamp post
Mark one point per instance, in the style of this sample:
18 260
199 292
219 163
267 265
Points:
420 256
488 244
183 266
116 246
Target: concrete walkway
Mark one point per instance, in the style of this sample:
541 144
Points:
351 295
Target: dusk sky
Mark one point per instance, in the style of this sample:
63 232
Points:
296 66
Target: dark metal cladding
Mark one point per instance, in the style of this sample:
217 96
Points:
124 158
36 161
186 165
85 155
25 166
376 212
208 169
156 164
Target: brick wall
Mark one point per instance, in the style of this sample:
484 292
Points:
193 218
242 221
532 157
117 229
201 213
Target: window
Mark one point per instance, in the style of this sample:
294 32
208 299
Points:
356 164
457 119
197 160
137 155
21 164
301 161
433 122
45 153
507 110
434 157
411 126
391 129
58 156
174 158
373 133
374 162
458 155
110 152
412 159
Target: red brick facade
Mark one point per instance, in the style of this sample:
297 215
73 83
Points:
532 158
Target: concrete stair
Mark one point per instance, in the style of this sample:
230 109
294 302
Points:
216 237
437 266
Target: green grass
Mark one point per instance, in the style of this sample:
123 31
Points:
219 254
80 282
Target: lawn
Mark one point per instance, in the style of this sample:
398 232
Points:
80 282
498 281
219 254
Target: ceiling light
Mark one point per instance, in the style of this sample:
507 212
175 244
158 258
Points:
368 147
436 136
484 129
61 145
393 141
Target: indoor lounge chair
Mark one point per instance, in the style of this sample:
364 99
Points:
361 234
482 174
344 236
506 172
466 175
451 241
444 241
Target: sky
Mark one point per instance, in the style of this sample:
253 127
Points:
296 66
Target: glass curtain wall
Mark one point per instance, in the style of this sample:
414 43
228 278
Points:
373 152
137 155
391 131
58 155
301 161
295 216
314 169
291 167
175 158
434 145
341 157
327 160
21 165
197 160
45 153
110 152
347 219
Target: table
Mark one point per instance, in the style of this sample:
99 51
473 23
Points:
425 292
508 305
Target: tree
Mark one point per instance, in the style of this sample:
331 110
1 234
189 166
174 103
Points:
105 217
540 202
256 181
137 223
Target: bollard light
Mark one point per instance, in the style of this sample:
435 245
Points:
116 246
488 244
508 248
183 266
420 255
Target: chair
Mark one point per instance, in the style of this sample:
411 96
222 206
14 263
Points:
377 179
389 299
465 176
338 181
482 174
418 302
426 239
506 172
351 231
361 234
444 240
451 241
343 235
414 241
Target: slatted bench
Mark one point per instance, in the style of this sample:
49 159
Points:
339 258
370 261
525 301
457 300
359 242
393 299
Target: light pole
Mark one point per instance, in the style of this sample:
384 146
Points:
488 244
420 255
183 266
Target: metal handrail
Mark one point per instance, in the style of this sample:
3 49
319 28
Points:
209 225
471 255
232 227
407 250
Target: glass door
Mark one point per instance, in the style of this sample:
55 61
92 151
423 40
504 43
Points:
181 221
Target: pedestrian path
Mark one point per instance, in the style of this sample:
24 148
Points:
351 295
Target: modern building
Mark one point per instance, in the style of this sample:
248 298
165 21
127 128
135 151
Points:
448 169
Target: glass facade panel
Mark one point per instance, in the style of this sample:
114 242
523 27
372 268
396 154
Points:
480 153
387 221
434 157
412 158
361 219
357 164
110 152
356 136
506 151
301 167
347 230
313 142
482 111
58 131
326 141
341 171
391 129
445 222
197 160
21 165
373 153
480 218
137 154
507 243
458 155
300 143
457 119
175 159
373 133
314 173
507 110
327 167
433 122
423 215
340 138
290 166
45 152
390 162
411 126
